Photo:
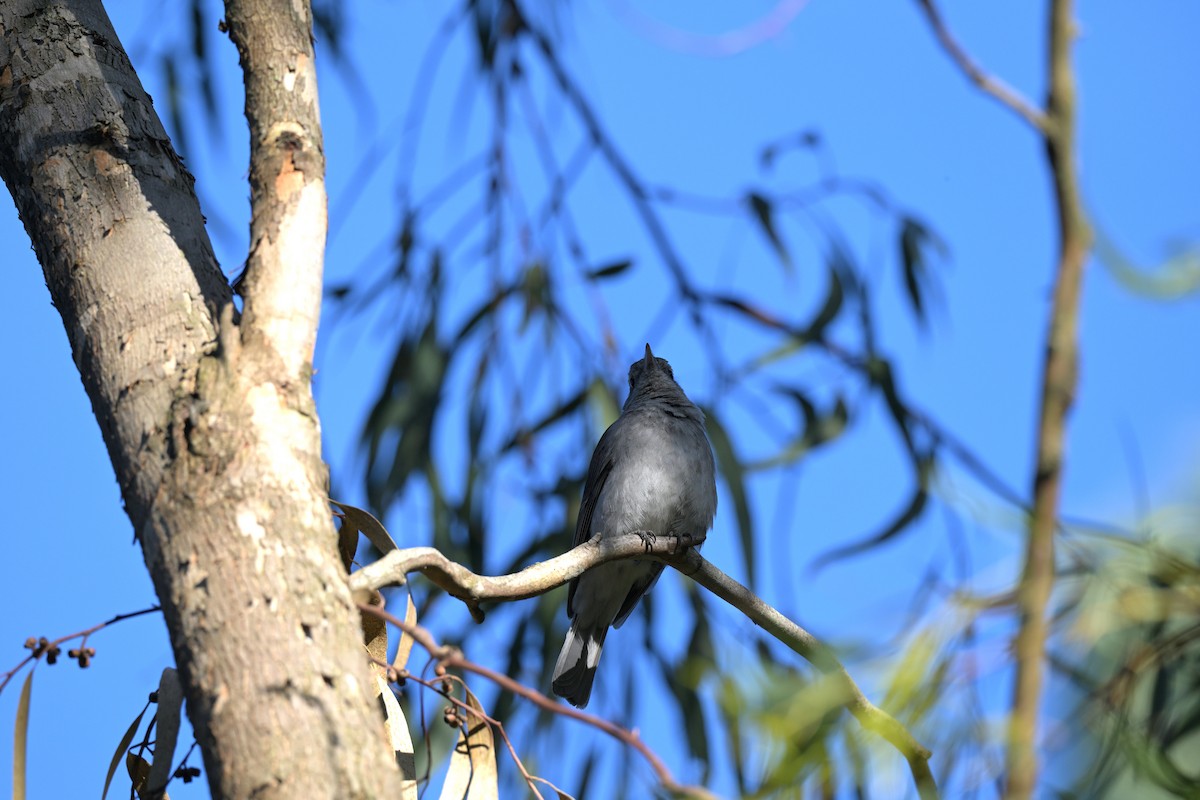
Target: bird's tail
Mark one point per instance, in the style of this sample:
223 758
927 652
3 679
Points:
576 666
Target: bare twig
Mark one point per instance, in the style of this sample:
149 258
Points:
1058 390
638 192
452 658
539 578
45 645
986 83
473 711
870 716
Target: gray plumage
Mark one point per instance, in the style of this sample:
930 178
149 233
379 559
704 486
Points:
651 471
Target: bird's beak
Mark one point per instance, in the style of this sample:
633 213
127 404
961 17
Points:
648 361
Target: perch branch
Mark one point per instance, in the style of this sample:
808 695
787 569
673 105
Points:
539 578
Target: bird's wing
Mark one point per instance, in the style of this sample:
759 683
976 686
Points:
598 472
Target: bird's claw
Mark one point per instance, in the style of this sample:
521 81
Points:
682 541
648 539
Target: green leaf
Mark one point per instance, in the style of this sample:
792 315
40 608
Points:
835 295
122 746
485 310
687 701
1178 276
735 479
608 270
907 515
764 213
916 240
537 291
524 435
406 410
817 430
21 737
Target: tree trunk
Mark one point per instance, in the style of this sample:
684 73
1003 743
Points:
210 424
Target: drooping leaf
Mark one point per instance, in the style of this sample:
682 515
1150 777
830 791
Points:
485 310
881 376
364 522
730 709
691 710
907 515
564 409
807 139
122 746
347 544
170 704
585 779
200 52
764 213
503 706
403 418
537 291
835 295
1177 277
916 240
817 430
179 132
21 737
400 738
472 774
477 412
405 646
608 270
375 631
138 769
735 480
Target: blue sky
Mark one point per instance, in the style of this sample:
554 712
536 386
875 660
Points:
891 107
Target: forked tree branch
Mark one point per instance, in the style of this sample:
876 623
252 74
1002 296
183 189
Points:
539 578
986 82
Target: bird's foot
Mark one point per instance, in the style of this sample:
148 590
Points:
648 539
685 540
680 541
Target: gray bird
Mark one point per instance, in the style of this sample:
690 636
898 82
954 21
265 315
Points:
652 472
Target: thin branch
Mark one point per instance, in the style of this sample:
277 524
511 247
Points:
1058 390
42 646
452 658
638 192
870 716
988 84
288 220
539 578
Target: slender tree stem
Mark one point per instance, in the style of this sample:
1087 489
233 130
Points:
1058 389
